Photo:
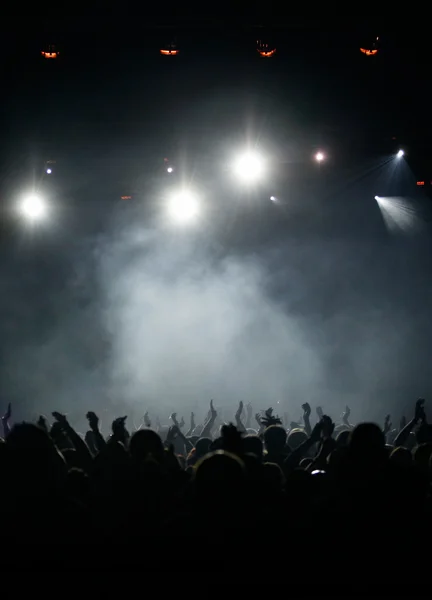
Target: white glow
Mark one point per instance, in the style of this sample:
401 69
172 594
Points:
249 167
183 206
400 154
49 171
319 156
399 215
170 170
33 208
273 198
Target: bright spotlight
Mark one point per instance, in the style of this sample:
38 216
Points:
400 153
49 171
170 170
273 198
249 167
377 198
33 208
319 157
183 206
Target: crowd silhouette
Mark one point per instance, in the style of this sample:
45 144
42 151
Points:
210 495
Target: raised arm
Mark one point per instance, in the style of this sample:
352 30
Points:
93 421
238 416
206 432
292 461
248 423
306 417
79 444
345 416
419 414
6 421
191 426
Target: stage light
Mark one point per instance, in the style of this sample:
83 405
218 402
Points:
383 201
319 157
249 167
183 206
400 153
33 208
273 198
49 171
170 170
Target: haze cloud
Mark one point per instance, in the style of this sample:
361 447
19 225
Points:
187 328
160 320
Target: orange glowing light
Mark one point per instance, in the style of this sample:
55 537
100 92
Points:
420 182
169 51
368 51
126 197
264 50
50 52
267 54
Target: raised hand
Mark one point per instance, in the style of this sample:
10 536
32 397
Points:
239 410
118 427
60 418
327 427
93 420
213 410
387 425
147 421
345 416
319 412
173 418
42 423
306 410
182 423
269 419
419 414
192 421
173 432
8 413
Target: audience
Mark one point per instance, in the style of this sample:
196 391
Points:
295 498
